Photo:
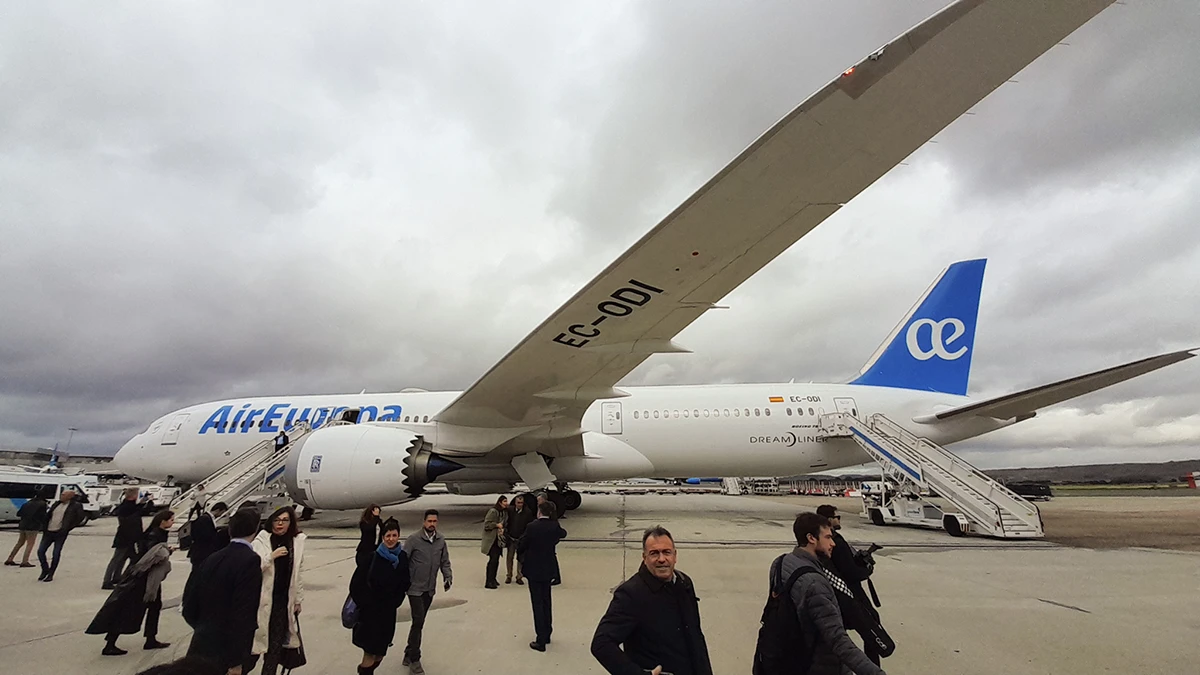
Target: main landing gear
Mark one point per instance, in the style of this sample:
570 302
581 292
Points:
564 498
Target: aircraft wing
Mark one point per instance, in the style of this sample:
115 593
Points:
1024 404
789 180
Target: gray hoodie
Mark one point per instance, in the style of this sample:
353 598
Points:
425 558
817 606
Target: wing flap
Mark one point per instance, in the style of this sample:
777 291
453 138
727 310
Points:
1024 404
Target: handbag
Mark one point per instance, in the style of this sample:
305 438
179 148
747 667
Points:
292 658
185 536
349 613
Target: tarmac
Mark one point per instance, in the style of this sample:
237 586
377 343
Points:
967 605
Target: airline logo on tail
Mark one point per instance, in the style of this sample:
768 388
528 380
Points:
930 349
937 339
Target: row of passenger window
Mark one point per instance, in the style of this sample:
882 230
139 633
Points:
712 412
248 425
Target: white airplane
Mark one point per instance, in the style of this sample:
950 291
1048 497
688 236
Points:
550 411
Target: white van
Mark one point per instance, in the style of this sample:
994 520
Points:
18 486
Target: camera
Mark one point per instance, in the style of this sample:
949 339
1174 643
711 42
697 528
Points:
864 558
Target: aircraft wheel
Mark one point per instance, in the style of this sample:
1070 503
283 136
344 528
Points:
558 499
572 500
877 517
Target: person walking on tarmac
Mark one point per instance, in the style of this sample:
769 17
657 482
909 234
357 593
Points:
520 514
427 555
379 589
138 594
538 557
220 601
65 515
492 542
655 614
32 516
125 541
281 549
370 530
815 600
857 612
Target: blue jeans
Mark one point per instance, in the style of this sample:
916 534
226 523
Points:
48 538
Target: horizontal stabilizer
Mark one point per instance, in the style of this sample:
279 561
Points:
1023 404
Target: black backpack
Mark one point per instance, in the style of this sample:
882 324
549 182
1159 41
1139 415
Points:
781 648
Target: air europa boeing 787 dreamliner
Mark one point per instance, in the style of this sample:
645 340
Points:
550 412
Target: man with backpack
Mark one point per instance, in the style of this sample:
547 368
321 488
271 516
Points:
802 631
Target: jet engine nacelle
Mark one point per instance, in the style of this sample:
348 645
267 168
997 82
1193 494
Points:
350 466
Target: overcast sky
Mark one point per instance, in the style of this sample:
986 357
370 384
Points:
207 200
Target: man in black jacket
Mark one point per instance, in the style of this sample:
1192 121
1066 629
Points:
206 538
815 599
65 515
656 615
520 514
539 563
220 600
129 532
856 611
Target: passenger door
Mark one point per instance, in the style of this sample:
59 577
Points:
171 435
610 412
846 405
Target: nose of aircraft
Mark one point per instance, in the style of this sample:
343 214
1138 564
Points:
127 460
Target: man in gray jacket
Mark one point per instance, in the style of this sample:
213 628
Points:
834 653
426 549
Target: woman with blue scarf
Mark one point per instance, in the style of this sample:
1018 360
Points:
378 589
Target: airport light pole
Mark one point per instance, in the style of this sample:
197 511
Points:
67 452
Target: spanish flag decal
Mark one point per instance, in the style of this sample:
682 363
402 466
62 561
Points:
776 399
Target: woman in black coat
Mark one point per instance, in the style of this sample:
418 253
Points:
138 594
378 589
371 534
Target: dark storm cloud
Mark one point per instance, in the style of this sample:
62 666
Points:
204 201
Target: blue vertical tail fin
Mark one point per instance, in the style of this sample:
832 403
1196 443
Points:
931 348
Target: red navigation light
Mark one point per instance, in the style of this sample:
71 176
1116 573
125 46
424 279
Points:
849 71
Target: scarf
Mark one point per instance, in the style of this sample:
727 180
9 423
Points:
837 582
391 555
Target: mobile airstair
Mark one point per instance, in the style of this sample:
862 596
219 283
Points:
256 473
916 471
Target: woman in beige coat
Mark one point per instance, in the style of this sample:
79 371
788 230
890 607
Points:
492 544
281 548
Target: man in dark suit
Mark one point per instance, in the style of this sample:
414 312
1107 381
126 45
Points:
220 600
206 539
539 562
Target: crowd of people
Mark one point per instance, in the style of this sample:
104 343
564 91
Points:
244 593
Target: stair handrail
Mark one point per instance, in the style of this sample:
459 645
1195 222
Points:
995 485
209 480
960 468
987 510
299 430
